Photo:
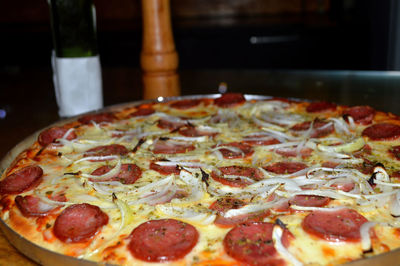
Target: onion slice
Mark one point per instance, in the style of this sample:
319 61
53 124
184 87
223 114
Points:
190 139
264 124
185 164
327 209
365 235
278 135
319 192
394 205
277 233
97 158
249 208
126 213
195 184
381 174
340 126
354 145
69 131
114 171
203 217
290 185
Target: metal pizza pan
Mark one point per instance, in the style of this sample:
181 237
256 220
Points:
48 258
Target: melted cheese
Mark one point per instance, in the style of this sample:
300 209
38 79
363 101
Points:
128 206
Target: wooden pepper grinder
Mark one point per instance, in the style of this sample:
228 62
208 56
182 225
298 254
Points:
159 59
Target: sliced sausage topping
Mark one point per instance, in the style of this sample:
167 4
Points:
165 169
79 223
97 118
316 107
237 176
252 244
319 128
143 112
185 104
309 201
395 151
223 205
22 180
281 168
50 135
238 150
128 174
360 114
341 225
191 131
33 206
294 152
168 124
382 131
229 100
167 147
162 240
259 140
106 150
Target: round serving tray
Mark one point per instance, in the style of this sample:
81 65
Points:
47 257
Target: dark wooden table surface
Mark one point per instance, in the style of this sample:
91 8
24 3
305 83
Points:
28 101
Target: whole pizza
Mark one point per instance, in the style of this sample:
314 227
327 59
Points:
227 179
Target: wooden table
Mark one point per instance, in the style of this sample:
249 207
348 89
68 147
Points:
27 95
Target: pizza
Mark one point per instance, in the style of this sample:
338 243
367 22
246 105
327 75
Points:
226 179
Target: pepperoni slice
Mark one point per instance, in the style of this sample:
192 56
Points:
280 99
145 111
395 174
316 107
106 150
341 225
395 151
223 205
367 167
252 244
128 174
51 134
229 100
382 131
360 114
309 201
293 152
60 196
22 180
366 150
162 240
260 140
190 131
283 207
330 164
281 168
79 223
97 118
165 147
320 128
172 125
234 170
344 186
164 169
185 104
33 206
245 150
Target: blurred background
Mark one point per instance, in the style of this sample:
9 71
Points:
259 34
256 46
